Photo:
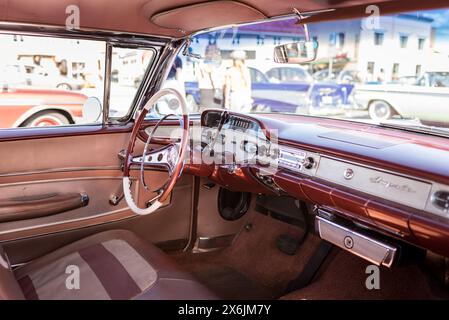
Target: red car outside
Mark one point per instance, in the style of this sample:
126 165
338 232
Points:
30 107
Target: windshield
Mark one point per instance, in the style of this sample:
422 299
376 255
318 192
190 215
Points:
382 69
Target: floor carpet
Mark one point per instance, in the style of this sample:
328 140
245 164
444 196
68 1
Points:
253 260
254 268
344 276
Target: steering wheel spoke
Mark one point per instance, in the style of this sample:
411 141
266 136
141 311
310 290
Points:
163 158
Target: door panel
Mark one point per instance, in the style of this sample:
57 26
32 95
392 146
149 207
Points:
85 164
61 154
99 189
169 224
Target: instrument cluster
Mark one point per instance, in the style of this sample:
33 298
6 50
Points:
236 140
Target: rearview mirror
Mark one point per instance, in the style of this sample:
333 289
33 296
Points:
92 110
296 52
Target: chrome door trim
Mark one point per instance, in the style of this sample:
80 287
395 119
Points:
58 170
107 81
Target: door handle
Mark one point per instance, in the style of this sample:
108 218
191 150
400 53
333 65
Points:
29 207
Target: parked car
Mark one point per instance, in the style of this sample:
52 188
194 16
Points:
13 75
341 76
299 93
38 76
345 78
324 99
287 74
30 107
406 98
264 89
300 89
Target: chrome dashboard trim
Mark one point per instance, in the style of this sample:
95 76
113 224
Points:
407 191
361 245
302 156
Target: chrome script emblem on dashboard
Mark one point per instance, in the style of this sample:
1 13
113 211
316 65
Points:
388 184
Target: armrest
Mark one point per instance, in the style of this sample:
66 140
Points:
40 206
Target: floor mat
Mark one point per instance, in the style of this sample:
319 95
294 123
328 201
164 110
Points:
344 276
253 260
256 255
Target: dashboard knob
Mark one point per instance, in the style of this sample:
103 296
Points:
348 174
440 199
309 163
250 147
262 151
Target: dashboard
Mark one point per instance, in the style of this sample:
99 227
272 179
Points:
390 181
368 175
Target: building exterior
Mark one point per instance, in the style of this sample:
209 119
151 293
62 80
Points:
87 57
400 45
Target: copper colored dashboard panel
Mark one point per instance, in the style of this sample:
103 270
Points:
317 192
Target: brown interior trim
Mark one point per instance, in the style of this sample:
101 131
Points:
62 131
58 170
40 206
66 226
58 174
76 223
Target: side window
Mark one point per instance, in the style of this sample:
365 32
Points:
127 71
257 76
421 81
45 81
275 75
295 75
289 75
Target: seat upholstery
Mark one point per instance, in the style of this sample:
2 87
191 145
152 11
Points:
112 265
9 288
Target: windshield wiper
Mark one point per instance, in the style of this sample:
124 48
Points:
438 131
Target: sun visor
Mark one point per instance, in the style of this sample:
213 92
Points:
206 15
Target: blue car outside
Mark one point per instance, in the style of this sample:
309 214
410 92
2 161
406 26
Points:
306 98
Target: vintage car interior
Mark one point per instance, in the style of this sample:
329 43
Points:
217 204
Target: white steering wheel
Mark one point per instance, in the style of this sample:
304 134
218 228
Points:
170 157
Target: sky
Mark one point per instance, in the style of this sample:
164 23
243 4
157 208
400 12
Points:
441 23
440 17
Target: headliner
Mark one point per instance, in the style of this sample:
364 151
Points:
138 16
